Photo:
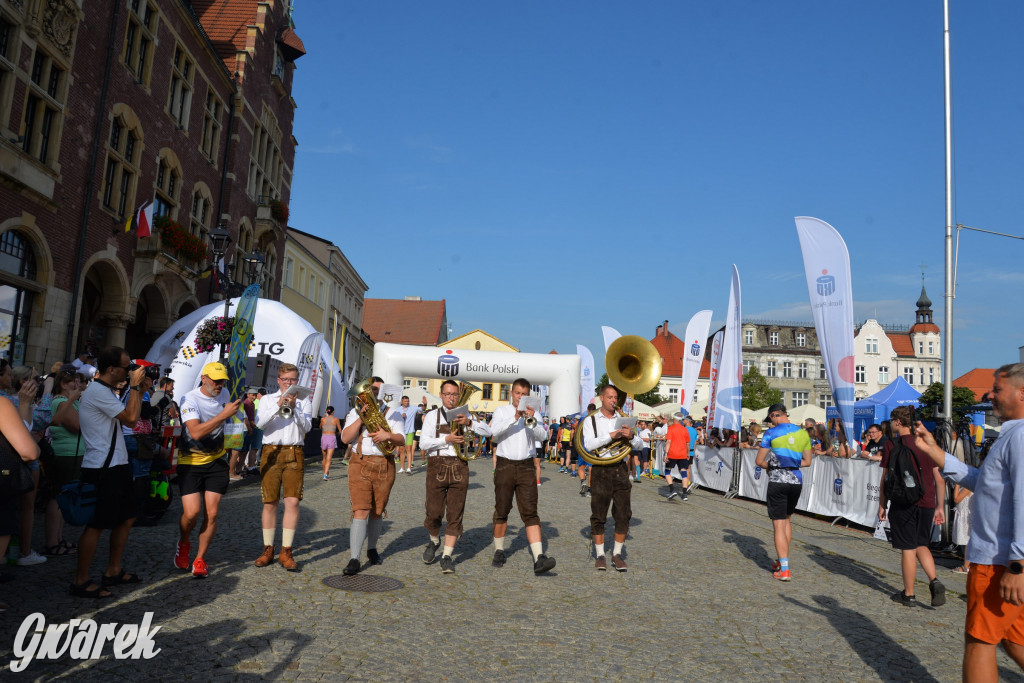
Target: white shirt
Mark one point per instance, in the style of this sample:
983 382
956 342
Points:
436 445
408 414
513 441
97 414
605 426
396 425
280 432
645 436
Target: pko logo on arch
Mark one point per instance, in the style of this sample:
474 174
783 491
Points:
448 364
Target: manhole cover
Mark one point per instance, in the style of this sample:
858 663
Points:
365 583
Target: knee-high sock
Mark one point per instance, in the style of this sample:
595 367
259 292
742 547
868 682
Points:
356 536
373 532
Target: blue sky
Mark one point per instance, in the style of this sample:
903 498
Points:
549 167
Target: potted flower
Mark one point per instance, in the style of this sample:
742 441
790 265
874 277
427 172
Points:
214 332
178 240
279 210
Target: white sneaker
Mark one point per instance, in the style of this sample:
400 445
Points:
631 477
400 470
32 558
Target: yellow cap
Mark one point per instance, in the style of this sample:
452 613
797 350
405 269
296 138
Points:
215 371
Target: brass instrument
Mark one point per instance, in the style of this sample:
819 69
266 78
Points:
369 412
285 412
634 367
530 422
465 391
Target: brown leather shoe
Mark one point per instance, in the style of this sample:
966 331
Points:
266 558
618 563
601 563
286 561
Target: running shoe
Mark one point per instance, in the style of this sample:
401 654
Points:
781 574
181 555
199 568
447 564
776 565
938 591
903 599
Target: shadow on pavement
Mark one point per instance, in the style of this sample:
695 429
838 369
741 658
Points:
851 569
751 547
868 641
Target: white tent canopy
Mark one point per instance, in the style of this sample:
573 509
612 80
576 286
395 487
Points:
277 331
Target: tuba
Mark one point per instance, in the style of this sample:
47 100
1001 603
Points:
369 411
465 391
634 367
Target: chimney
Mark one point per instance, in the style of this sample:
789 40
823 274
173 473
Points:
665 328
657 331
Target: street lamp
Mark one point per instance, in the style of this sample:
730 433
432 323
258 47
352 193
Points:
254 265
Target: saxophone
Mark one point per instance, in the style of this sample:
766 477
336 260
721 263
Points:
369 411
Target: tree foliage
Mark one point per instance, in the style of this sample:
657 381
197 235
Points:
934 395
651 398
757 393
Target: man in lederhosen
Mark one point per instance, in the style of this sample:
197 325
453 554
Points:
609 484
447 475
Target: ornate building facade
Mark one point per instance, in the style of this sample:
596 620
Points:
107 106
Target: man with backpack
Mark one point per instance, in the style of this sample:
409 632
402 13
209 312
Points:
915 493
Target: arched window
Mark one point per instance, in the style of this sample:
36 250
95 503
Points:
17 259
124 148
200 215
168 185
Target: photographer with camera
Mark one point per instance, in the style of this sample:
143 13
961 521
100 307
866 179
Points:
105 465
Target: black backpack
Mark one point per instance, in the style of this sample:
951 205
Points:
903 486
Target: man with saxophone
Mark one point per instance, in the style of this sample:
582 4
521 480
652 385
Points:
609 484
514 475
371 471
447 474
284 421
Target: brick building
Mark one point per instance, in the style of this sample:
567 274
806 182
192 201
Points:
107 105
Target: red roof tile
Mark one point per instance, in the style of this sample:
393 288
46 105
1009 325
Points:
672 350
400 321
226 22
978 380
901 344
292 44
924 327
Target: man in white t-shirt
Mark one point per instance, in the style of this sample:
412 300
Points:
408 414
202 463
105 464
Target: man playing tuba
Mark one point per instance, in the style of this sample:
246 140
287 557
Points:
609 483
447 474
371 472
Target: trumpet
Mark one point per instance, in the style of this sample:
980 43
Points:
285 412
530 422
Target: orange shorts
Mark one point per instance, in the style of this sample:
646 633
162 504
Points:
370 478
991 619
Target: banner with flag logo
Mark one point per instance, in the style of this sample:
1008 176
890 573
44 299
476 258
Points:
729 393
238 360
308 360
827 269
696 339
716 364
586 375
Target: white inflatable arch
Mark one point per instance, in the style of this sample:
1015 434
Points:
561 372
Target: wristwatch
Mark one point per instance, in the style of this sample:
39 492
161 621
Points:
1016 567
136 387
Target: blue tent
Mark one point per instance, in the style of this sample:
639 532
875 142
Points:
877 407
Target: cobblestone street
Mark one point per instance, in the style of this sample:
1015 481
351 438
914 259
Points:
697 602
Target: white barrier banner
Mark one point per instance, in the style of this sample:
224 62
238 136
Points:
834 487
712 468
845 488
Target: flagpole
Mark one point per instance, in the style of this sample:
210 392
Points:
334 339
947 361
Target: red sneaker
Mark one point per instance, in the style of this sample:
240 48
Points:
200 571
781 574
181 555
776 565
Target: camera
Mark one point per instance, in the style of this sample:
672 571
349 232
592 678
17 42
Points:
152 371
